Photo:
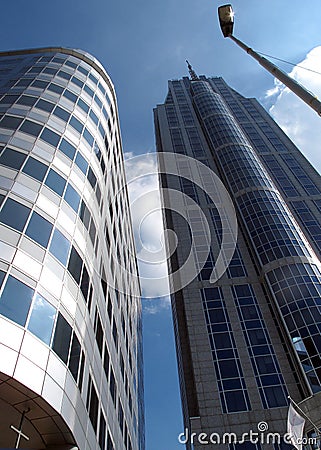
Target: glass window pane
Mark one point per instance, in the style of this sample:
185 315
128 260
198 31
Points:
10 122
45 106
72 197
9 99
55 88
27 100
2 275
89 138
55 181
39 229
68 149
74 357
72 97
50 136
61 341
40 84
30 127
59 247
35 169
81 163
12 158
76 124
42 319
75 264
83 105
14 214
61 113
15 300
77 82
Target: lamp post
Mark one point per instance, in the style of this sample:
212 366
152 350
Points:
226 18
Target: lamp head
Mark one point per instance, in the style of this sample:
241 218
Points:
226 18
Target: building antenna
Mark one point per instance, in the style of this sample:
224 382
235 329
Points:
192 72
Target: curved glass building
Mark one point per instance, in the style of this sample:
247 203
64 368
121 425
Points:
251 339
70 314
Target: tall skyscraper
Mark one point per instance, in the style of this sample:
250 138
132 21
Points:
70 314
252 338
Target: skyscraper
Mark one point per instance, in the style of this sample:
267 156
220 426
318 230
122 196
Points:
251 338
70 314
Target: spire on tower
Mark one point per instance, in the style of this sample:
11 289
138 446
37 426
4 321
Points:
192 72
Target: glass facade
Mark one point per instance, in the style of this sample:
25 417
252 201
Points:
251 339
61 176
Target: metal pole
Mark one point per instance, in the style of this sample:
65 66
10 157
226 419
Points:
293 85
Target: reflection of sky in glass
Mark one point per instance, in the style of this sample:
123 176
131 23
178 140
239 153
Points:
42 319
15 300
60 247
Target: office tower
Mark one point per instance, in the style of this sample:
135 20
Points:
70 325
252 338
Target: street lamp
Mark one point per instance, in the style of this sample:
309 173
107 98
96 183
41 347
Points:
226 18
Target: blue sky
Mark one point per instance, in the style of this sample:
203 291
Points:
144 43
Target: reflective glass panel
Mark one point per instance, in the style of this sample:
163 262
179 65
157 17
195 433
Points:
42 319
59 247
39 229
14 214
15 300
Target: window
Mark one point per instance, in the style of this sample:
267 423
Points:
99 333
102 432
40 84
45 106
30 127
12 158
62 338
77 82
27 100
14 214
74 357
81 163
72 197
67 148
55 182
92 403
50 136
83 105
72 97
55 88
76 124
75 265
61 113
89 91
59 247
15 300
10 122
35 169
42 319
89 138
39 229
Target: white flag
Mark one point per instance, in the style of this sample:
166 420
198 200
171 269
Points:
295 427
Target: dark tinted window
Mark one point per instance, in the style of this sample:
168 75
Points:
40 84
45 106
75 265
9 99
82 70
76 81
13 159
60 246
50 136
14 214
72 97
27 100
67 148
89 91
55 88
11 122
75 123
15 300
74 357
61 113
81 163
61 341
88 137
64 75
39 229
35 169
83 105
72 197
55 182
30 127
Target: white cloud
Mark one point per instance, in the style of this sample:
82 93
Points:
297 119
147 221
